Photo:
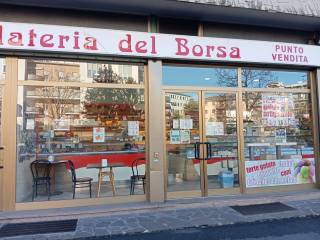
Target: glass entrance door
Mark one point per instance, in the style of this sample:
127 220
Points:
201 142
183 130
220 132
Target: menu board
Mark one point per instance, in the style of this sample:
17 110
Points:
278 110
98 135
133 128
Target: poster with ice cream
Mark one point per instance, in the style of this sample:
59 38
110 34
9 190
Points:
264 173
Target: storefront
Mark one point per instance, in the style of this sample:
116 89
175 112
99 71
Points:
92 116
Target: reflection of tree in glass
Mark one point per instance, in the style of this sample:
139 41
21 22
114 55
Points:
226 77
59 98
191 109
132 98
107 95
256 79
107 75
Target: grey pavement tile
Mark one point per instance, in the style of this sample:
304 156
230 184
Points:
83 234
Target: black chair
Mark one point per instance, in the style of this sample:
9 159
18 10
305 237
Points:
41 176
136 178
79 182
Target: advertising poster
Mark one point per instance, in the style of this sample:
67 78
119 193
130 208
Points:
279 172
98 135
175 137
214 129
133 128
278 110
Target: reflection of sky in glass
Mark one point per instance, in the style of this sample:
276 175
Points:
196 76
254 78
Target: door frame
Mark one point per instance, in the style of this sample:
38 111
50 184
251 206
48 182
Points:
204 191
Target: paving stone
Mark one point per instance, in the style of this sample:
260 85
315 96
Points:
209 212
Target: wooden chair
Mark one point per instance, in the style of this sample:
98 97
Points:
105 173
79 182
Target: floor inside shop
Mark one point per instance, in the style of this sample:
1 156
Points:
82 193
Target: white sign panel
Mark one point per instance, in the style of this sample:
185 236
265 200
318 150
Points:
279 172
37 37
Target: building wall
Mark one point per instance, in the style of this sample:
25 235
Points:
140 23
298 7
73 18
255 33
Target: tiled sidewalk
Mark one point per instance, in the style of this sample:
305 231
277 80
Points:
174 214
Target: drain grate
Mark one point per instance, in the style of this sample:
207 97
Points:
262 208
30 228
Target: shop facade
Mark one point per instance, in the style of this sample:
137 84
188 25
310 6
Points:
163 115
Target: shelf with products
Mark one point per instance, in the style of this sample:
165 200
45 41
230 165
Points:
75 140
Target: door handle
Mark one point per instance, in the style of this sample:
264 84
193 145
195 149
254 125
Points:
197 147
197 150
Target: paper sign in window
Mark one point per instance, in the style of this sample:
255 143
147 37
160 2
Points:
98 135
214 129
175 137
133 128
185 136
30 124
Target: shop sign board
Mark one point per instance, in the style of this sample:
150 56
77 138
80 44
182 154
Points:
279 172
54 38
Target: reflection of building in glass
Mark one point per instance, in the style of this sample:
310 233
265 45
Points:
300 84
52 71
220 108
177 102
112 73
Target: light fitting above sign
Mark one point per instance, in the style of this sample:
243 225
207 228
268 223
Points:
53 38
